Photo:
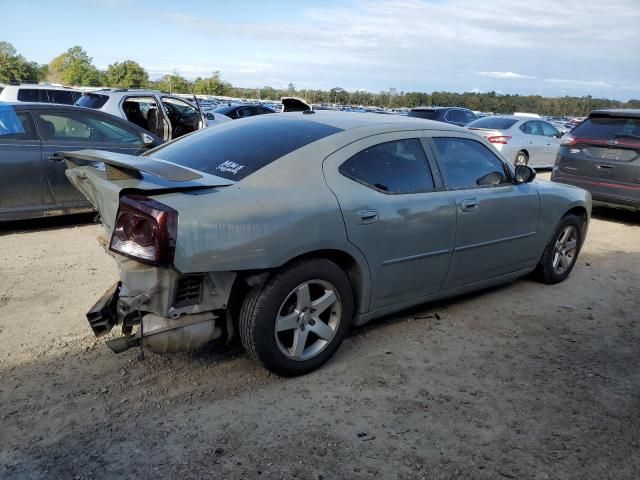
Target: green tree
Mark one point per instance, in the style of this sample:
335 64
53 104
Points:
14 68
212 85
74 67
127 74
174 83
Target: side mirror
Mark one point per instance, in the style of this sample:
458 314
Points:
147 140
210 116
524 174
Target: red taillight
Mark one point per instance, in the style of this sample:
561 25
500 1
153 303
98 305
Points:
503 139
145 230
568 141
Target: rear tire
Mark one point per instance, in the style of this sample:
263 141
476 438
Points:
298 318
561 253
522 158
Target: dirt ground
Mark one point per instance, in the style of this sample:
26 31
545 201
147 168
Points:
521 381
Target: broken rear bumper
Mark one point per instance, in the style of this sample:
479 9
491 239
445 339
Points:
103 316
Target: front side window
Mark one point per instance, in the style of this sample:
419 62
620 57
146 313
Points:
469 164
548 130
15 125
68 127
396 167
178 107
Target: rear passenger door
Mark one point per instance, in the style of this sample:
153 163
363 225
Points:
497 220
68 130
396 213
23 185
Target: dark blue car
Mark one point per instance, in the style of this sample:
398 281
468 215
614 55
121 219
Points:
454 115
32 179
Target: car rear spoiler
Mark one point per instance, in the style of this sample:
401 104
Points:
119 166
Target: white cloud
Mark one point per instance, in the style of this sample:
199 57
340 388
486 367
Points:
585 83
504 75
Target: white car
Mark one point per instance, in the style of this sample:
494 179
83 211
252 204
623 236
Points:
521 140
166 116
33 93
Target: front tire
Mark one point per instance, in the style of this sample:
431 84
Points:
561 253
295 321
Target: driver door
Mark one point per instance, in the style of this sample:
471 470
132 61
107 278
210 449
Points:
184 118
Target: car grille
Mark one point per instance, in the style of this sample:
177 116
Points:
189 291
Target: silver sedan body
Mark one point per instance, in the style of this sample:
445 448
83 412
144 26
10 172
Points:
314 221
521 140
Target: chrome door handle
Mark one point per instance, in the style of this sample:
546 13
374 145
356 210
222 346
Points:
606 167
469 204
366 216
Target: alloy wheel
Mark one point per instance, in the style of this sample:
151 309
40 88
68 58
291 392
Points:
308 319
566 247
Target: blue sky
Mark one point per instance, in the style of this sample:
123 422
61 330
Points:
547 47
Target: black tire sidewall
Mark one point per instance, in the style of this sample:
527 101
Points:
546 264
270 298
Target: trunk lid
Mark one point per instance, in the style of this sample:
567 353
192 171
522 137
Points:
103 177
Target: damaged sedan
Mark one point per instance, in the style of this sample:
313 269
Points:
286 230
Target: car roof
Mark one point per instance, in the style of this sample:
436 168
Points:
617 112
425 108
352 120
37 86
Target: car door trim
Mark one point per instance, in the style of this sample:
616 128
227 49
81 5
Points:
418 256
494 242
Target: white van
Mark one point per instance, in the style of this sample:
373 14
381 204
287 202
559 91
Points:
39 94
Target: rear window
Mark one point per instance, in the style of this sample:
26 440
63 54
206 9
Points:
92 100
608 128
428 114
493 123
238 149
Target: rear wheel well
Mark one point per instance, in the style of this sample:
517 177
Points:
247 280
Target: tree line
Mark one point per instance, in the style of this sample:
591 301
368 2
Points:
75 67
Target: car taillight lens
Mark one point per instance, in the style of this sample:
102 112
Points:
568 141
145 230
503 139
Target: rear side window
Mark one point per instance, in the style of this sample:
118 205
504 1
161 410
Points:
427 114
469 164
393 167
75 127
457 116
493 123
64 97
608 128
15 125
235 150
38 95
92 100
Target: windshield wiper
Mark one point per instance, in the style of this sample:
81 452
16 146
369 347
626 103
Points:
626 135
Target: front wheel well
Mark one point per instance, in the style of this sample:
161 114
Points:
579 212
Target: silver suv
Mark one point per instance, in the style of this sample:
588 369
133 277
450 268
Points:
39 94
165 115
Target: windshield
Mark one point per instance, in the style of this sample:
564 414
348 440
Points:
238 149
607 127
493 123
92 100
